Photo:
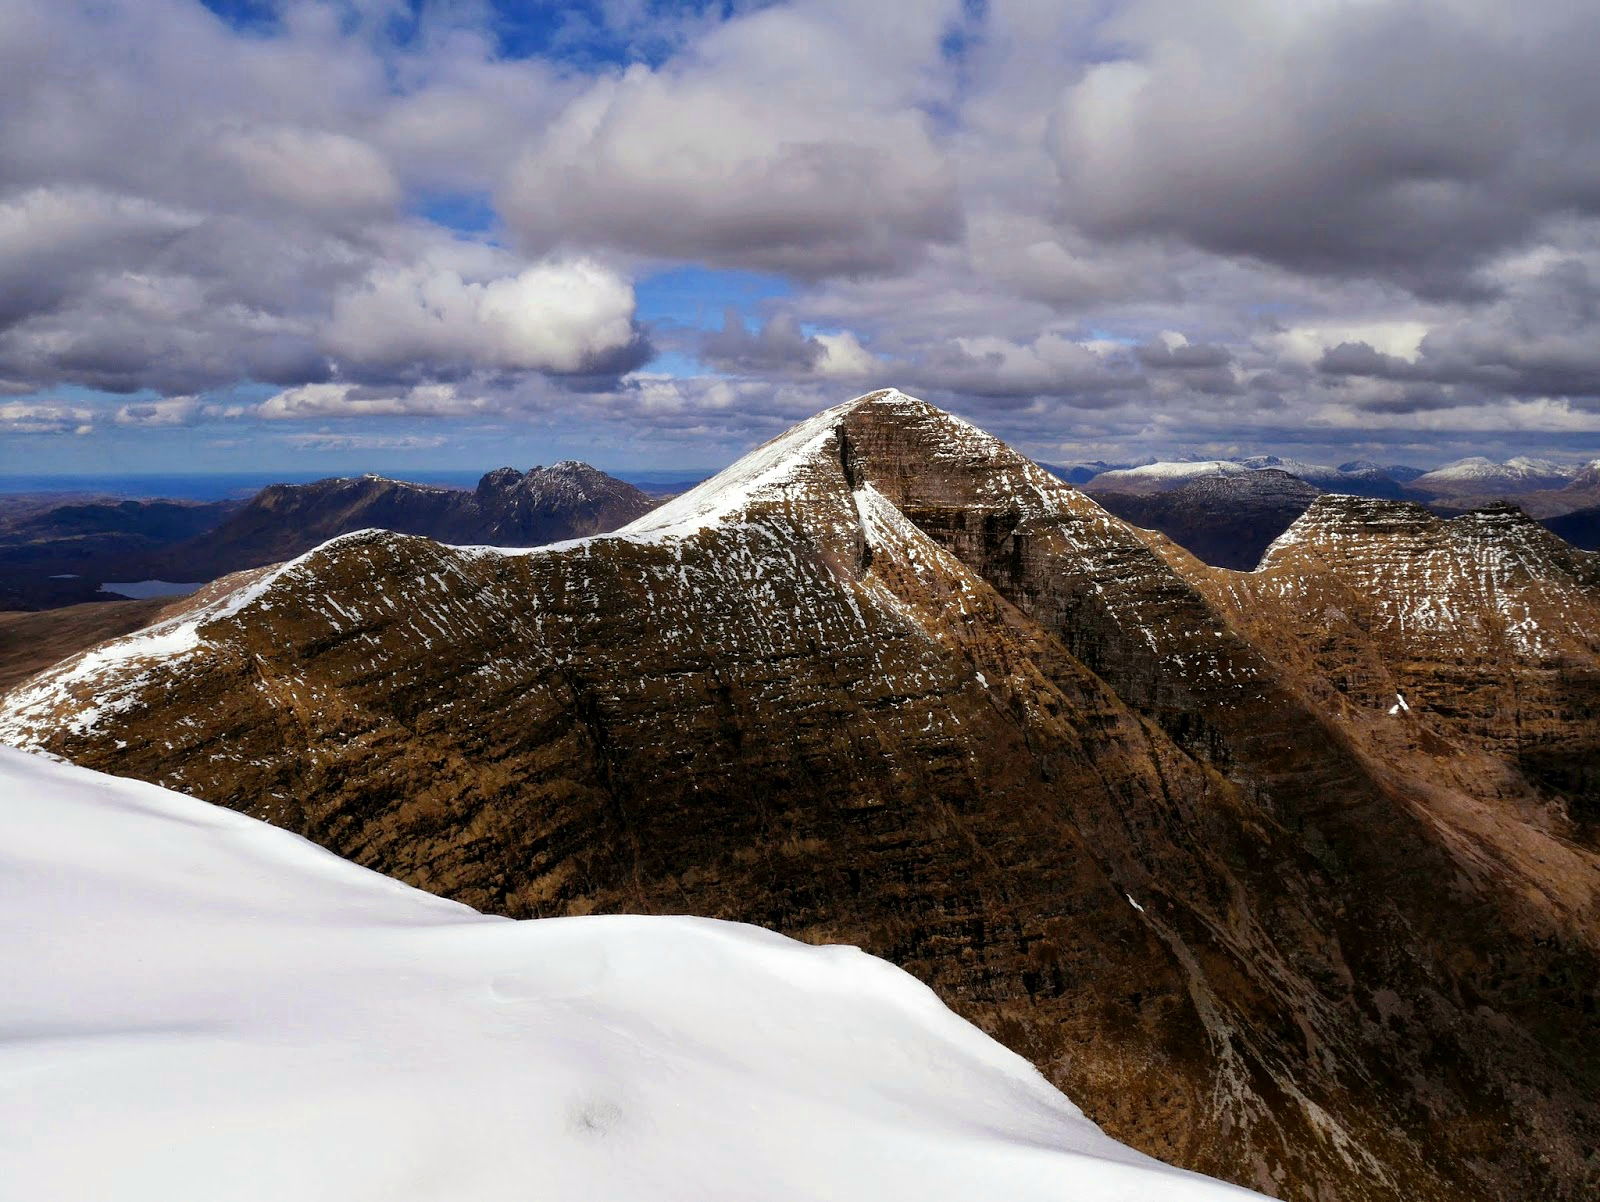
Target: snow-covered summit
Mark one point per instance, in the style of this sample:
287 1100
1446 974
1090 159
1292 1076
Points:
1165 471
780 470
202 1006
1355 477
1478 474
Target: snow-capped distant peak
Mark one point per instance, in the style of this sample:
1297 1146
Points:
1170 469
1477 471
1543 467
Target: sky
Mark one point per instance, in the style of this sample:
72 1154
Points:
391 234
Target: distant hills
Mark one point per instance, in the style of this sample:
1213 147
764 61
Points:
1227 519
508 508
55 552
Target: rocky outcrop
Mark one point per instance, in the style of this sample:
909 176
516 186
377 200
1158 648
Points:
547 504
887 682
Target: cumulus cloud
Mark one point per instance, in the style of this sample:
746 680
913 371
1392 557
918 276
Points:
1405 140
561 316
790 139
1140 220
319 170
21 417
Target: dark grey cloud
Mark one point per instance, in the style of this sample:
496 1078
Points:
1536 338
1182 356
1405 140
778 346
795 139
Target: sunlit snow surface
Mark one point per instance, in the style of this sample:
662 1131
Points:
200 1006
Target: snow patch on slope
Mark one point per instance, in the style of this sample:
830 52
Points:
769 472
205 1006
103 671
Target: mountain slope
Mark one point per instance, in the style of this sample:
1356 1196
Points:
32 641
200 1005
1484 629
546 504
887 681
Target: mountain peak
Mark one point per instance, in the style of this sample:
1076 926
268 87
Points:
798 466
912 451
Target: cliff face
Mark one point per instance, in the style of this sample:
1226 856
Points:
887 682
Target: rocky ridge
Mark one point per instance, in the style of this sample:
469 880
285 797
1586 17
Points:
886 681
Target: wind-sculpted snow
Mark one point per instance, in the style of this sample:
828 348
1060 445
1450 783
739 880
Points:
886 681
200 1006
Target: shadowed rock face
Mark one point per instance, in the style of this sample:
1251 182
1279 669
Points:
511 508
885 681
1227 521
1581 527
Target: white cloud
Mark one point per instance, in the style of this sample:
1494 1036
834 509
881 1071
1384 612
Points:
787 139
172 411
560 316
844 356
315 169
1304 345
26 417
314 401
326 441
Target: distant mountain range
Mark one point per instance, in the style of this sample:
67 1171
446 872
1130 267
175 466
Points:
1358 478
1226 512
1227 519
1475 477
1287 876
54 553
508 508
